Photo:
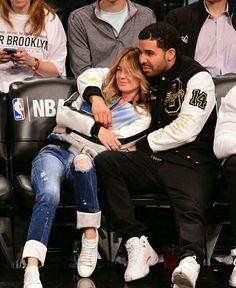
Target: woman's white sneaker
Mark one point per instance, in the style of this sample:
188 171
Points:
31 277
87 260
140 256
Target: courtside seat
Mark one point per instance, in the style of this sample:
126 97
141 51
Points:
6 196
32 110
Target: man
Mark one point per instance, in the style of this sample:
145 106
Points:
178 147
225 148
208 34
98 32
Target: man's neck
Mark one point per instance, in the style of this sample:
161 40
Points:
112 6
216 8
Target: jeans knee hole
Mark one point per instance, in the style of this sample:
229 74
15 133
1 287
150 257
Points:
82 163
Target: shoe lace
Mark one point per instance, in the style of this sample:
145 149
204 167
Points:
32 277
133 249
87 251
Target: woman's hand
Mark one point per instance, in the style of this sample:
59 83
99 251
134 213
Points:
23 57
109 139
4 57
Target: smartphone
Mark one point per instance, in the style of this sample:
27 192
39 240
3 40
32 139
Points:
10 50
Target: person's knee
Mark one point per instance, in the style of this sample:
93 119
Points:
231 161
83 163
228 170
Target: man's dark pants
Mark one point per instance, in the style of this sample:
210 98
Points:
187 184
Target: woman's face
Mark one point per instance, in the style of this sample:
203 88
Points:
126 82
20 6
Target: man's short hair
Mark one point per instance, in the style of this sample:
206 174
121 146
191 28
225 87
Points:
165 35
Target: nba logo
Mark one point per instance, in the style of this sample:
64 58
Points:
18 109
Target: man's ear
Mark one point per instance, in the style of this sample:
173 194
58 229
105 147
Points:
171 53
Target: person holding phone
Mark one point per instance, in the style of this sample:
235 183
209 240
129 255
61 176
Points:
32 42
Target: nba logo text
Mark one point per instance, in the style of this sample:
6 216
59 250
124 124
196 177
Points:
18 109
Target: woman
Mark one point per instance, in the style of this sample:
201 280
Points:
68 157
32 41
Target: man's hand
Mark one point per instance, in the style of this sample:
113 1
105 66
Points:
101 113
132 148
109 139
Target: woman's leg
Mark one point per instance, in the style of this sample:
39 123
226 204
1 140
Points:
88 212
85 187
48 172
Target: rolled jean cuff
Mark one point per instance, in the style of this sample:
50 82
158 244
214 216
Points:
35 249
85 220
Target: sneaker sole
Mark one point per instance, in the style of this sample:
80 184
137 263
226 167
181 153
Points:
232 284
181 281
138 276
153 259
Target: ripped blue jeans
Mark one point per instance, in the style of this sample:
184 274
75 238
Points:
51 167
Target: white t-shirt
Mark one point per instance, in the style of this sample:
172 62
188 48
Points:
49 46
116 19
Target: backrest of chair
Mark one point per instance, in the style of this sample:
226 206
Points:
3 127
223 84
3 135
32 110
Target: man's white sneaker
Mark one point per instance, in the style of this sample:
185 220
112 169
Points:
31 277
186 273
88 256
232 278
140 256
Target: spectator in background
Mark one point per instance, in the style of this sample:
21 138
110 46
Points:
98 32
179 146
208 34
225 148
37 34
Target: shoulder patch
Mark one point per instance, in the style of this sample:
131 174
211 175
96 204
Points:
198 99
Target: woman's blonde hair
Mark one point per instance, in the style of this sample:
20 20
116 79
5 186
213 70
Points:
37 13
110 88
